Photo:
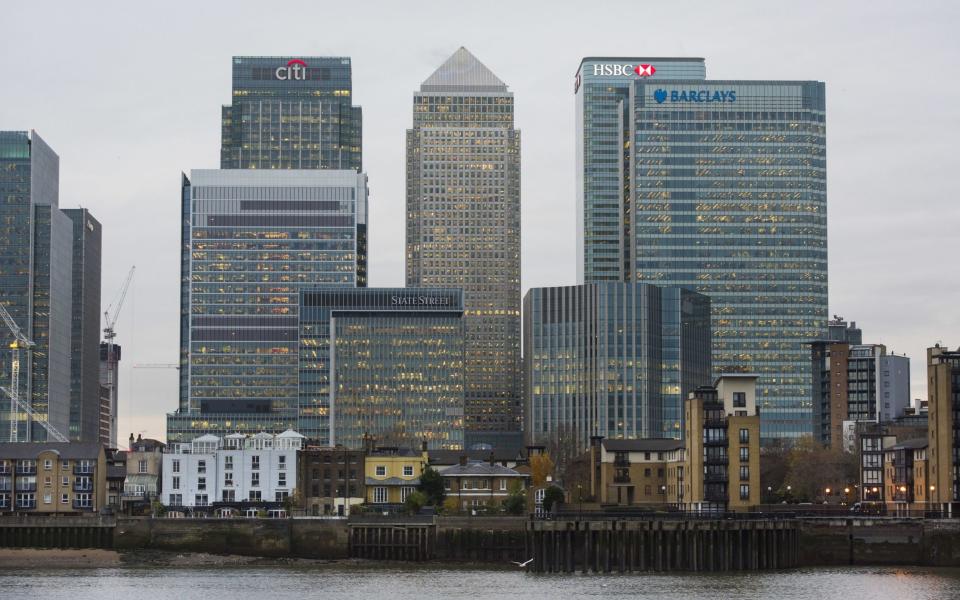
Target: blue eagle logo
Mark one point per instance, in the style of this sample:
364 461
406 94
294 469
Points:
660 96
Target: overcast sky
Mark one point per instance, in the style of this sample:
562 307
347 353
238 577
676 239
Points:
130 97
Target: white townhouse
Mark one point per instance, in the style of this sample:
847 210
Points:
232 470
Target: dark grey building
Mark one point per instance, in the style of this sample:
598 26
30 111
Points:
291 112
36 243
383 363
463 229
252 240
612 359
718 186
85 328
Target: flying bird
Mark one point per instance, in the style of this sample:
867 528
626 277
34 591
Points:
522 564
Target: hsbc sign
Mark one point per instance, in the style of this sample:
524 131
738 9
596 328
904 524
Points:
295 70
623 70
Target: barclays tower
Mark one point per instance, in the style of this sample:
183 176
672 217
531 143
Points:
718 186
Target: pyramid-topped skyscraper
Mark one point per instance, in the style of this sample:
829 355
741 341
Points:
463 229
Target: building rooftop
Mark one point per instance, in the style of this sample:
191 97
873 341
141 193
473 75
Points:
68 450
452 457
910 445
644 445
462 72
479 468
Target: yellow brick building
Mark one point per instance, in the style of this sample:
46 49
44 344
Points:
392 474
52 478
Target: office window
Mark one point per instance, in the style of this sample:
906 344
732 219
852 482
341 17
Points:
739 399
744 491
408 470
744 453
744 436
381 470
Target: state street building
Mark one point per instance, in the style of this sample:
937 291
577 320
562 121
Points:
382 364
718 186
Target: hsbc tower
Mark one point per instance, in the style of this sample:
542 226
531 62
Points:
718 186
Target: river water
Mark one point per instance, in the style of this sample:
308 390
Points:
268 583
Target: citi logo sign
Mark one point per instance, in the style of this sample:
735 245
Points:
623 70
295 70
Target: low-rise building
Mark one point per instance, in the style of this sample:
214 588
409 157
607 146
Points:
632 472
144 467
238 472
478 484
391 474
907 477
943 389
52 478
116 476
721 470
331 480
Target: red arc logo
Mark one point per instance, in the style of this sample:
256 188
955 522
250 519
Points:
296 61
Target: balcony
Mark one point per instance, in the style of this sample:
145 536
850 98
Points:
716 478
715 424
29 470
83 469
5 469
26 487
716 460
82 505
621 462
26 504
621 479
716 497
83 487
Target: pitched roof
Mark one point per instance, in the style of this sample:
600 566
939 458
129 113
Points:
644 445
452 457
392 481
911 444
478 468
462 72
68 450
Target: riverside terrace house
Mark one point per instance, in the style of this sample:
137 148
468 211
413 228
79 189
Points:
238 472
721 466
907 477
477 484
631 472
116 476
330 480
392 474
52 478
144 466
943 389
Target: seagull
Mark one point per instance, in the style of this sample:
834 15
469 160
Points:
522 564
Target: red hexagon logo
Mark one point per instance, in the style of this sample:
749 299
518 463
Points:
645 70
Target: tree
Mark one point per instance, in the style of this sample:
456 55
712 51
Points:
451 506
415 501
516 502
813 467
431 485
773 471
551 496
541 467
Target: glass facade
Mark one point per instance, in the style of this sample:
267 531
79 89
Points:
291 113
612 359
35 281
85 329
724 192
463 229
252 240
388 363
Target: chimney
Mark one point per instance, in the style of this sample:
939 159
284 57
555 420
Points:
493 460
463 460
423 446
139 437
131 441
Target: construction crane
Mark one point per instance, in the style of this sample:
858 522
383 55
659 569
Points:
156 366
20 340
109 334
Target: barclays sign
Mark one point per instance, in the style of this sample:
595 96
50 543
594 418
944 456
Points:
703 96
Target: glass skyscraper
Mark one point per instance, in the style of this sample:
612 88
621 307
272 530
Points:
291 113
36 243
252 240
385 363
85 330
719 187
463 229
612 359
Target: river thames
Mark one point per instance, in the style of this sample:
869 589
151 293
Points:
329 582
